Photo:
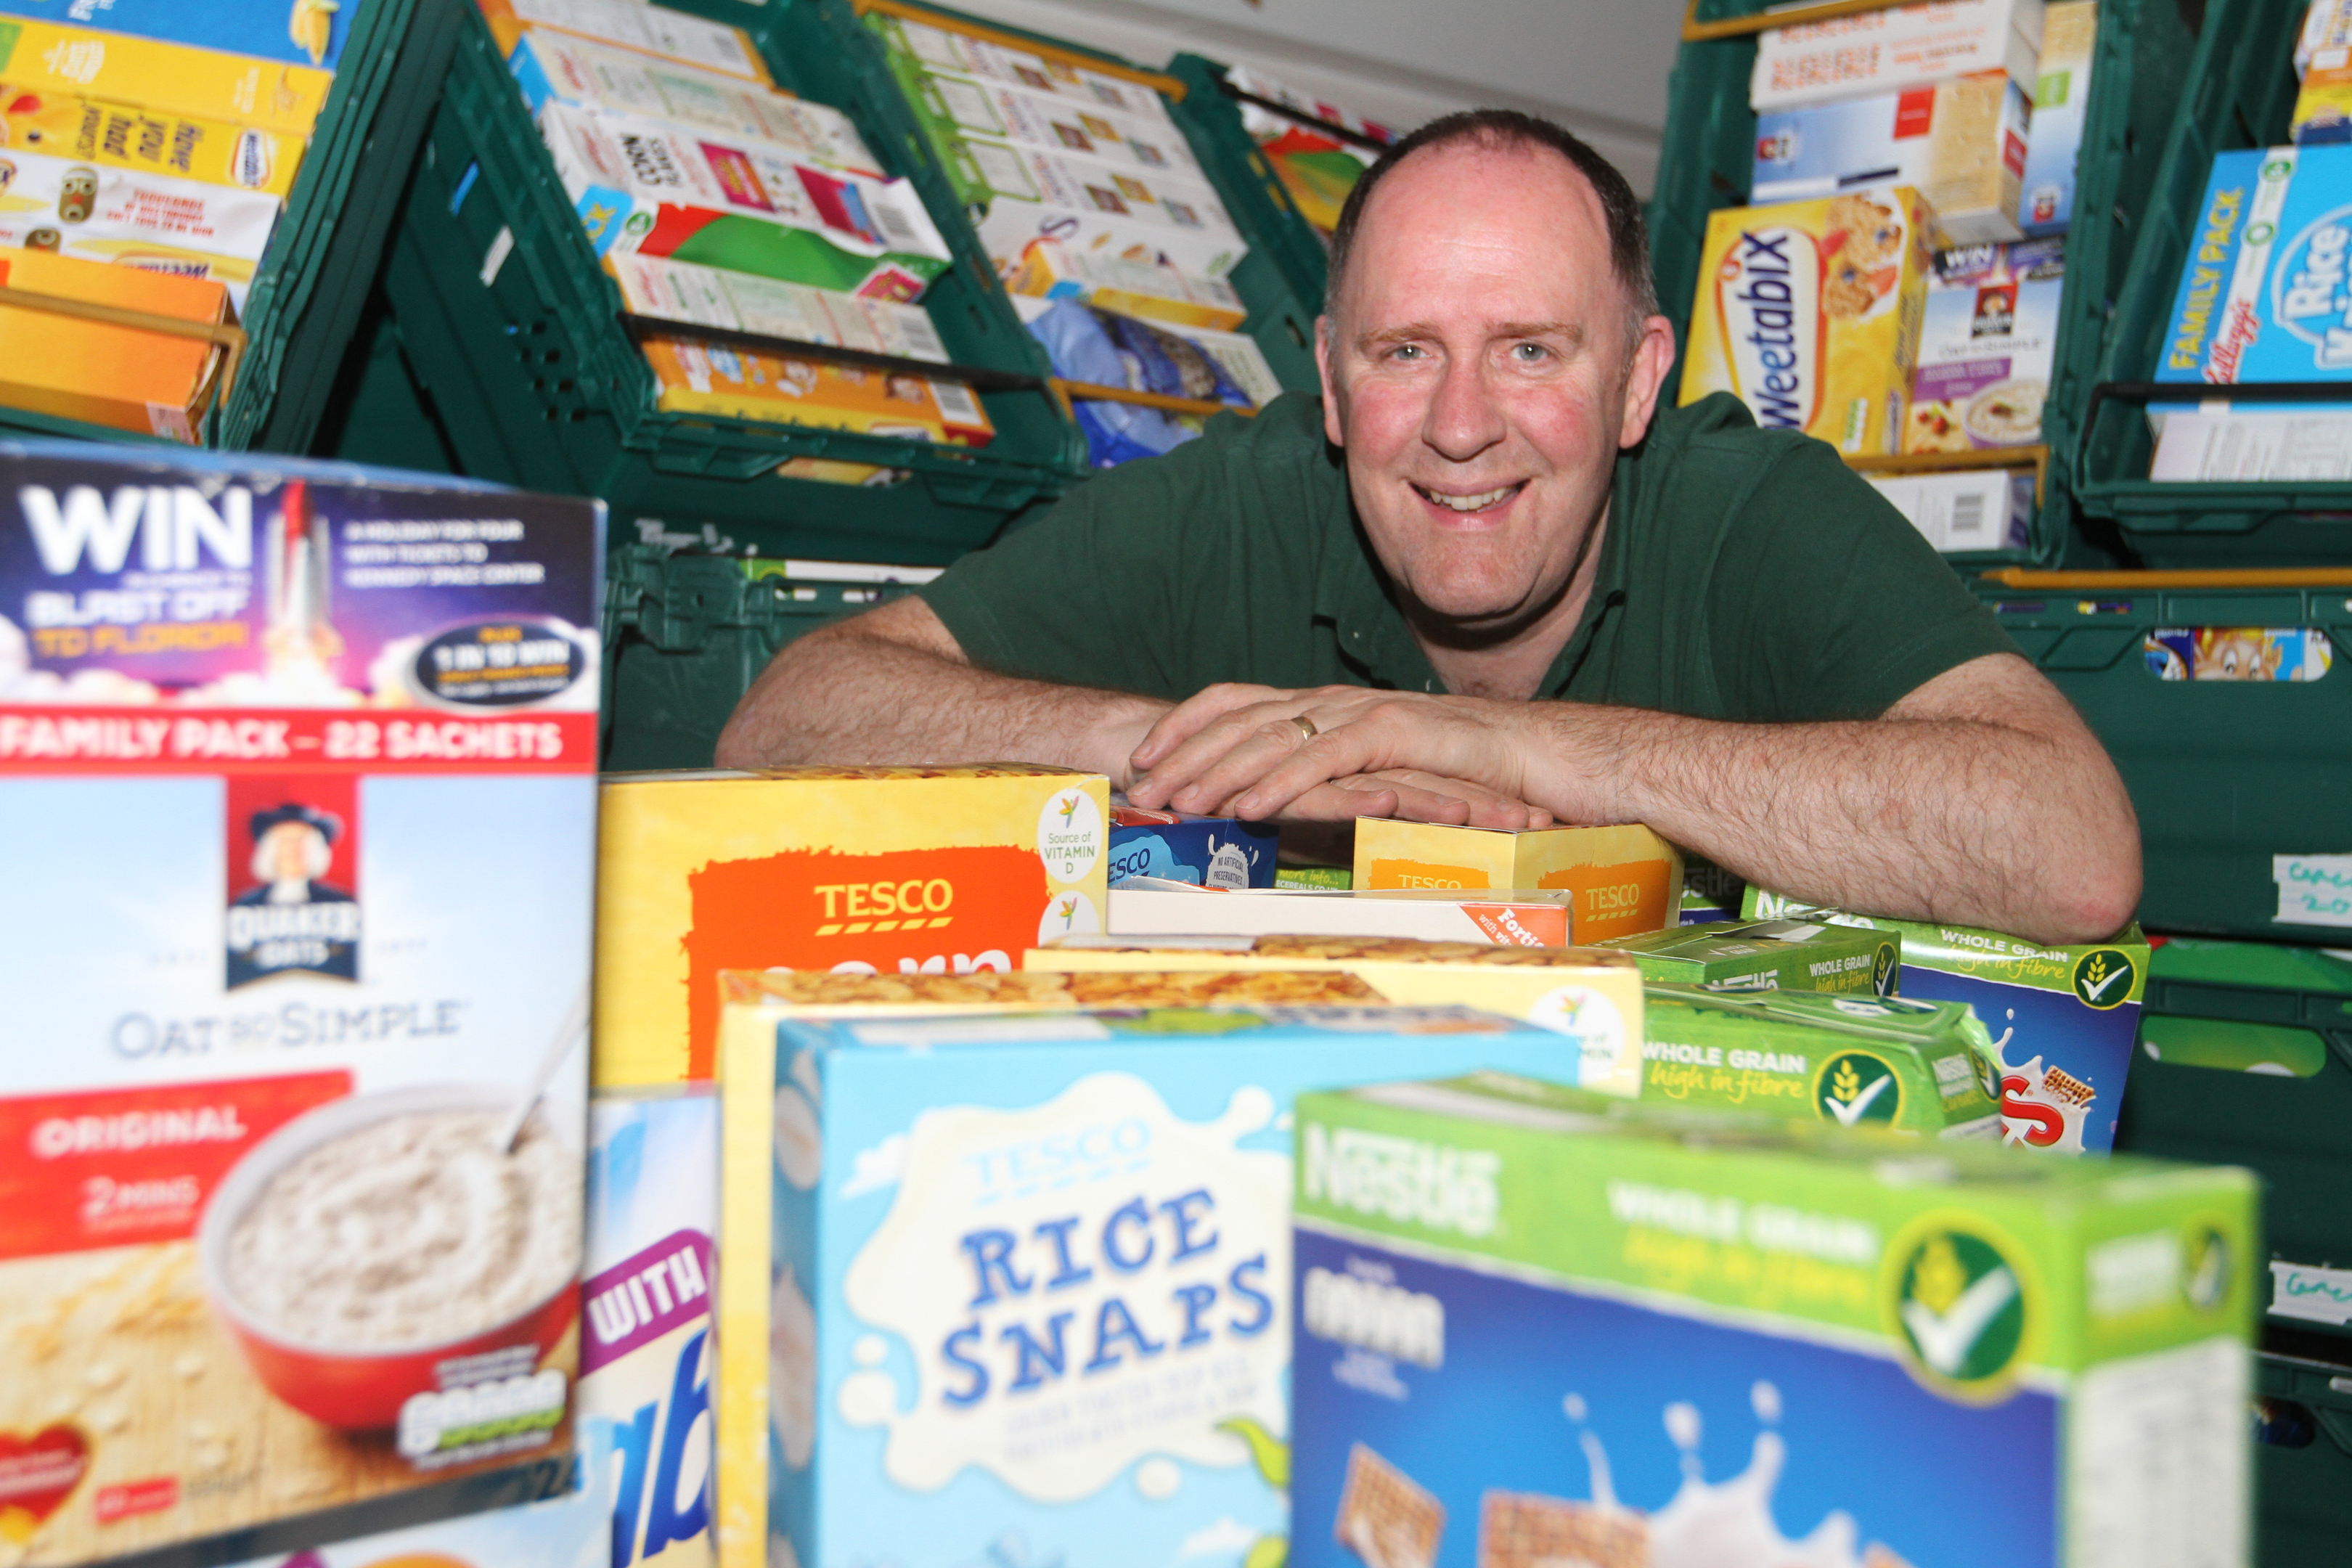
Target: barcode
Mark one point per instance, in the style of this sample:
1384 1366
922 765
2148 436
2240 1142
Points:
1968 515
894 225
922 339
955 401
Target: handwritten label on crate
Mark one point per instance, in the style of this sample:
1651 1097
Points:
2314 889
2317 1295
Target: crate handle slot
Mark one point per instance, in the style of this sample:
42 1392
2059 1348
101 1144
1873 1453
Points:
1077 59
223 336
1697 32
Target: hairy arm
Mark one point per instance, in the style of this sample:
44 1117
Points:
1981 798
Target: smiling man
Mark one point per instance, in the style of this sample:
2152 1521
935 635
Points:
1487 578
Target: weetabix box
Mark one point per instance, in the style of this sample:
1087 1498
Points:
1809 312
857 871
2062 1020
1625 879
1029 1274
1767 955
297 760
1536 1327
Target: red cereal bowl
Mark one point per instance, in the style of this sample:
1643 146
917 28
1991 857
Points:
364 1389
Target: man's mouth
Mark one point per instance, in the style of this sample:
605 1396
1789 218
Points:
1470 503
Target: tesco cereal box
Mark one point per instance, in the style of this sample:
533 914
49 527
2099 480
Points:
294 929
1537 1328
1809 312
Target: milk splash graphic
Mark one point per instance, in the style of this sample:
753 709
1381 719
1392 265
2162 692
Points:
2035 1112
1727 1523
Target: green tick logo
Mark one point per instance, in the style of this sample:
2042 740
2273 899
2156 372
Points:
1855 1086
1881 970
1960 1311
2104 978
2205 1278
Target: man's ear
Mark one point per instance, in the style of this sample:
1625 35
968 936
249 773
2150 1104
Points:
1654 356
1323 352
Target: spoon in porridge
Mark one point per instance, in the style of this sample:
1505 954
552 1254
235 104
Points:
575 1023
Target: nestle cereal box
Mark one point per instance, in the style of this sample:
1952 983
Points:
297 760
1625 878
1809 312
1536 1327
1766 955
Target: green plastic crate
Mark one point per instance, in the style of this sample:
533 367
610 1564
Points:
684 634
514 330
2303 1459
2239 91
1707 162
306 302
2224 775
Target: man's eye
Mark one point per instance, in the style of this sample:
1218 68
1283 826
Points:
1530 354
1407 351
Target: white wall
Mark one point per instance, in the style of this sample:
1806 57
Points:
1597 67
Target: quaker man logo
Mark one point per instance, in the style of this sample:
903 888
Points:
2104 978
1855 1086
1957 1300
1881 970
292 919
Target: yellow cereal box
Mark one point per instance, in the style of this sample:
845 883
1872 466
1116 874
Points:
1627 879
854 870
695 377
170 79
155 142
1809 312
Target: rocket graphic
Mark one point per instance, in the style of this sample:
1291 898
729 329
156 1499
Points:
299 573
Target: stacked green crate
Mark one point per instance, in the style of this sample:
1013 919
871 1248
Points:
1707 162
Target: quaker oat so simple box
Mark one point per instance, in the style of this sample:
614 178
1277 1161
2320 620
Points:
297 768
1537 1327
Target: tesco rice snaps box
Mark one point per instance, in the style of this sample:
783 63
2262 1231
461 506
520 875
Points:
1960 143
297 760
2061 1020
2062 95
1809 312
1537 1327
1030 1297
1986 344
1210 851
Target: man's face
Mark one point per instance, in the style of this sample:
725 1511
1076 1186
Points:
1476 370
289 848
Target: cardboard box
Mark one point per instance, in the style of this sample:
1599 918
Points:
2260 296
1149 291
1961 144
654 29
763 307
1590 994
170 79
1625 879
151 142
2327 25
953 106
1809 313
928 1347
816 868
1843 1339
696 377
1887 1062
297 904
1987 343
2323 106
1511 917
304 36
98 212
1034 194
2251 442
125 377
1178 847
941 49
1894 50
2070 49
641 188
1710 892
1767 955
2063 1020
1971 508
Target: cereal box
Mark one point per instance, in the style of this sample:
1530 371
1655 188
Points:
691 376
169 79
1986 344
1211 851
1895 50
1032 193
2327 25
304 33
1969 509
153 142
1887 1062
1961 144
1049 269
1590 994
1624 880
130 378
1029 1274
2063 1020
855 870
2062 94
952 106
2323 106
764 308
1809 313
997 59
101 211
1511 917
299 760
1537 1327
1710 892
1767 955
654 29
2263 296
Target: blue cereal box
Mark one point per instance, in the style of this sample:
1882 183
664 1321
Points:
1537 1328
2264 295
2064 1020
2070 36
1029 1295
1176 846
293 32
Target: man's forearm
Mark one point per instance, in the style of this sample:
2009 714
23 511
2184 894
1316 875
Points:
845 695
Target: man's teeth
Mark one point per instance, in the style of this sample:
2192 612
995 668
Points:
1471 503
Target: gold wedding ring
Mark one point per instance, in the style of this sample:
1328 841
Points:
1307 729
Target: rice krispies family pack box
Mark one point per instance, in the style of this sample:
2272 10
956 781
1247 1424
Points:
2062 1020
294 910
1029 1298
1536 1327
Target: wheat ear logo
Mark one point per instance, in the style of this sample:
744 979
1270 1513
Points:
1957 1304
2104 978
1856 1087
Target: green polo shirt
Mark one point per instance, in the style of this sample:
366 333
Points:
1744 574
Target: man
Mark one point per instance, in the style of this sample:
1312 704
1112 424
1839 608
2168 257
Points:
1490 580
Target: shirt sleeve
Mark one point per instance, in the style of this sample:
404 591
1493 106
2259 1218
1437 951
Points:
1827 604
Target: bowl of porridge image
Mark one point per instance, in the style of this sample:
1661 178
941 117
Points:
366 1244
2006 414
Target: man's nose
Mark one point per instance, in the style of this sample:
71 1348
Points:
1465 417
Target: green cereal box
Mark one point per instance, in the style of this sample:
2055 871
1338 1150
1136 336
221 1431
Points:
2063 1020
1535 1326
1767 955
1889 1062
